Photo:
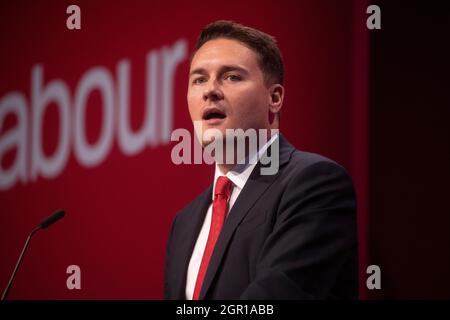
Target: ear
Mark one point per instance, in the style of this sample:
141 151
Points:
276 96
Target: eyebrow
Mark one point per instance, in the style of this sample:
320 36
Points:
223 69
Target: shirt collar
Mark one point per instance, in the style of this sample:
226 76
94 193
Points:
241 172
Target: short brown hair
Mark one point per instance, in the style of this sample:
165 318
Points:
270 60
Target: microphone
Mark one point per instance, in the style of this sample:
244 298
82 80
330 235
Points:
47 222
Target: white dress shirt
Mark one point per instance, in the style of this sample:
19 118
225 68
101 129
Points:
238 176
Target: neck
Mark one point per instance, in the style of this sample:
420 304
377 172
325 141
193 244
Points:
225 168
246 156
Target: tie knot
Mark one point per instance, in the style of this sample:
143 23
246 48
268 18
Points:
223 186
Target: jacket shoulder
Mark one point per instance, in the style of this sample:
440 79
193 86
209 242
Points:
308 168
301 160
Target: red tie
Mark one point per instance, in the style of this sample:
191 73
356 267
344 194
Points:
222 193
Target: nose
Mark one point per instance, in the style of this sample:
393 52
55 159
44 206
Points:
212 91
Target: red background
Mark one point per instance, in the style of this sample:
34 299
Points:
119 212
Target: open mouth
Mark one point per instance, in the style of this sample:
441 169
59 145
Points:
213 113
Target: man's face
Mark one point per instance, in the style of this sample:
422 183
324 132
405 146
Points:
226 87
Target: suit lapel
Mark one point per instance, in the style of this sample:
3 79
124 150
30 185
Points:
254 188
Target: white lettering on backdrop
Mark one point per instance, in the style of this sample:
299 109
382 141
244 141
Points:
26 135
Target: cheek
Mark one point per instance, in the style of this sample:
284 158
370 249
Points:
194 106
251 105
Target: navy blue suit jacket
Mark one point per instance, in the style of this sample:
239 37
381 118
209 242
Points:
291 235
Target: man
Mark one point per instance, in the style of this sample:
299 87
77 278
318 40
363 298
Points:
287 235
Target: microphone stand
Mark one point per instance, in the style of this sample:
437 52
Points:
6 291
43 225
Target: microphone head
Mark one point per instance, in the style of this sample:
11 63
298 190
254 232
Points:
47 222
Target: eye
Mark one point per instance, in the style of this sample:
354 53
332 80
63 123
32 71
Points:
233 77
199 80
